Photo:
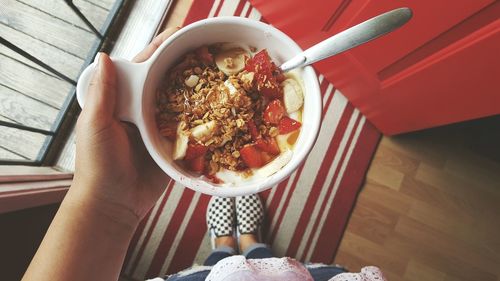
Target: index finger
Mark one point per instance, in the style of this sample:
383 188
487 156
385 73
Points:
151 48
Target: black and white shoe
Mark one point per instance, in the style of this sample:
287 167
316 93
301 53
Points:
220 216
249 214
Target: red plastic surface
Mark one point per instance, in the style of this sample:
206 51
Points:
441 67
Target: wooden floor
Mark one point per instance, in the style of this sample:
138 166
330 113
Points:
30 95
430 207
143 20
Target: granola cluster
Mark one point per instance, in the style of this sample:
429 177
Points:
196 92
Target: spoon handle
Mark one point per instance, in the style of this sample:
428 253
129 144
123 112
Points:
350 38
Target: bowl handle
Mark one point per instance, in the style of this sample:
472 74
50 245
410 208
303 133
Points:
130 79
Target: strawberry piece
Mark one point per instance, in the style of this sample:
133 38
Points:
266 74
254 132
197 164
204 55
271 90
195 157
274 112
261 63
195 150
249 65
266 158
288 125
214 179
251 156
268 145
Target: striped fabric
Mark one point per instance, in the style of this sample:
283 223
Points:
306 214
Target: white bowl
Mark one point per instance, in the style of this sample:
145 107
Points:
138 82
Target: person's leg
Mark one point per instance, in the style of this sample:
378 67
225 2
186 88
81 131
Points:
195 276
225 246
249 217
218 254
321 272
251 248
258 251
221 225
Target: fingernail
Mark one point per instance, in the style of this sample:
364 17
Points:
96 60
97 56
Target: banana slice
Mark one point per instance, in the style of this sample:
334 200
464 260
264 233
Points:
282 141
232 90
181 141
204 131
231 61
192 81
275 165
292 95
248 77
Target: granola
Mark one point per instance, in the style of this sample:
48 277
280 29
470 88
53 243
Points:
223 109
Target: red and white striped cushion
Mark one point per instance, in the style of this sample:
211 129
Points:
306 214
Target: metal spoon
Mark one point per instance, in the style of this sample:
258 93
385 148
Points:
350 38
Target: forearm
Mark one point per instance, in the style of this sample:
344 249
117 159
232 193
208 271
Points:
85 241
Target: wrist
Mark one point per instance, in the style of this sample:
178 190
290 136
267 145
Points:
111 215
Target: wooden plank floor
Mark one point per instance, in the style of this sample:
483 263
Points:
430 205
142 21
29 94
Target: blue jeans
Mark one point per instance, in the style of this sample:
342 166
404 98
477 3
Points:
257 251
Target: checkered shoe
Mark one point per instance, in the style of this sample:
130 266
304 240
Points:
220 216
249 214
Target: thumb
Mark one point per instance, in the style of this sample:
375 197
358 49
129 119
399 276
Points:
101 98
